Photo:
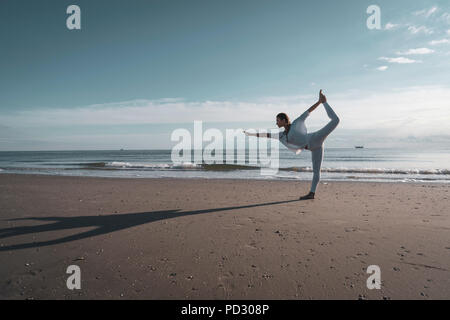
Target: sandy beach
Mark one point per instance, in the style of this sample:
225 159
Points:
221 239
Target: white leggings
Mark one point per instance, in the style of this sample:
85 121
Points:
315 144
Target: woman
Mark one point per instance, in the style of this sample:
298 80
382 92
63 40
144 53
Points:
296 138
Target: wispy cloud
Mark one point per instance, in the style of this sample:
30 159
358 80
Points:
420 29
413 110
416 51
426 12
437 42
400 60
390 26
382 68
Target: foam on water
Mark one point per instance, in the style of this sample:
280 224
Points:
183 165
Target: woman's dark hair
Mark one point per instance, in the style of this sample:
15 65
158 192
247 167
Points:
284 116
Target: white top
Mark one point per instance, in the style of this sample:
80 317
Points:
297 137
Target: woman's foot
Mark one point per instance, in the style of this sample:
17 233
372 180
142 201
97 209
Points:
308 196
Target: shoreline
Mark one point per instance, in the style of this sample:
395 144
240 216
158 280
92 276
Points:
226 179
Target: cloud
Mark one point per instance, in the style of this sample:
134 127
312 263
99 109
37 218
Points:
420 29
411 111
390 26
431 11
416 111
426 13
437 42
416 51
382 68
400 60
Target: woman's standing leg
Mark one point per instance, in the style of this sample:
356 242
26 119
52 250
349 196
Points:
316 157
319 136
316 146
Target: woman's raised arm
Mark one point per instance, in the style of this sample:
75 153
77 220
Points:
322 99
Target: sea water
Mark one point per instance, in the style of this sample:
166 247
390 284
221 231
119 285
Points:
339 164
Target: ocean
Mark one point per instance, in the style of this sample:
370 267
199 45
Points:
339 164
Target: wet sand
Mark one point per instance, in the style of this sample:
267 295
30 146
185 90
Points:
221 239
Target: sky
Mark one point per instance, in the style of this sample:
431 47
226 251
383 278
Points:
137 70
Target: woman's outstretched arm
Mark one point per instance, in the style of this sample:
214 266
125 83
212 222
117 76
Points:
262 135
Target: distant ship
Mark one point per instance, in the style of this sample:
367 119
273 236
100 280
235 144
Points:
359 147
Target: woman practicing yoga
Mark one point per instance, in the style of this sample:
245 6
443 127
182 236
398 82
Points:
296 138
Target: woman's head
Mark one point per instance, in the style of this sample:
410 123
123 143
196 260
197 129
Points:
282 120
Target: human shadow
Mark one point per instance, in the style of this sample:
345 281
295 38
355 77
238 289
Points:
103 224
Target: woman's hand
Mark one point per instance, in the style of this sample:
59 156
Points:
322 98
251 134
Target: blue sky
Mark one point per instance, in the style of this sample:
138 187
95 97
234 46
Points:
139 69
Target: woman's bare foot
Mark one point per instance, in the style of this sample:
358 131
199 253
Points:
308 196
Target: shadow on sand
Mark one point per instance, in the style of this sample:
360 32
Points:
104 224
